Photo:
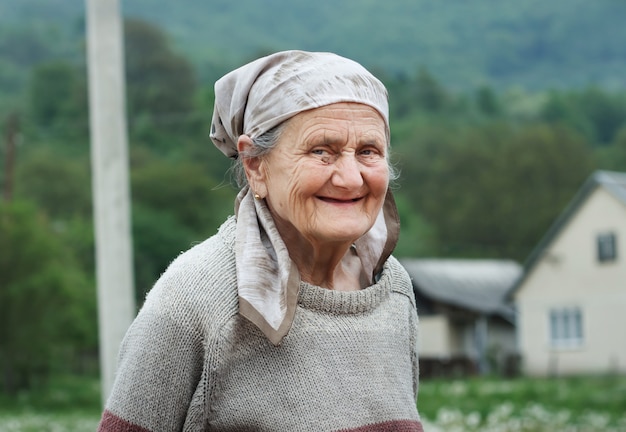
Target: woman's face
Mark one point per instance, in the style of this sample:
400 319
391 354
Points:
327 177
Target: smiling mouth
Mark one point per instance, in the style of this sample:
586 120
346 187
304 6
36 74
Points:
340 201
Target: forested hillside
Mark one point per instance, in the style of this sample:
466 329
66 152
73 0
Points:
535 44
499 112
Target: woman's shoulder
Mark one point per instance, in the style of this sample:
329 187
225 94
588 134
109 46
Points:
400 280
200 279
216 253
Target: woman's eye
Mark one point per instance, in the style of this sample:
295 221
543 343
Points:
322 154
370 153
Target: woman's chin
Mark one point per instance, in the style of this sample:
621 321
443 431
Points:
340 233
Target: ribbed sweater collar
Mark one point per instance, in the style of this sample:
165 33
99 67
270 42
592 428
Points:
343 302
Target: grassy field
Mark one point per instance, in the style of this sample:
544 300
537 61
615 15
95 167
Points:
66 404
580 404
584 404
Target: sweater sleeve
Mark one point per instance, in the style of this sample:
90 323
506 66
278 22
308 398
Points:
414 334
160 363
404 285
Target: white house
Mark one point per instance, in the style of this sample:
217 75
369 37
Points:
465 324
571 299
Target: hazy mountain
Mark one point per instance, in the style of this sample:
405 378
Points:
464 43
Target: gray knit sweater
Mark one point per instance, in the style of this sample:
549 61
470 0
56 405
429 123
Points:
190 362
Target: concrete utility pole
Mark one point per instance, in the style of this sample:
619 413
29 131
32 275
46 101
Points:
111 191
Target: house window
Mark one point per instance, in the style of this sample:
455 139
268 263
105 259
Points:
566 327
607 247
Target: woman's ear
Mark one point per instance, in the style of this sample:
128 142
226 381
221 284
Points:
253 166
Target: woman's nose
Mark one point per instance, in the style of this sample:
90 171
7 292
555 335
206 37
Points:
347 172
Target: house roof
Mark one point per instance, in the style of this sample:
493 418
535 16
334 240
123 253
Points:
613 182
476 284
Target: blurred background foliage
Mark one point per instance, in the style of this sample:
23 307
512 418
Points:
493 132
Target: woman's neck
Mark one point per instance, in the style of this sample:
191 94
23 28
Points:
336 268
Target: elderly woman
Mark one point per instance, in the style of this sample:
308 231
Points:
294 316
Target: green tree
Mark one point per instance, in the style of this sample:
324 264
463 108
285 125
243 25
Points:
539 173
186 191
594 112
160 83
23 47
430 94
158 238
487 101
58 104
417 237
563 108
606 112
49 90
493 191
61 186
174 206
47 305
402 95
613 157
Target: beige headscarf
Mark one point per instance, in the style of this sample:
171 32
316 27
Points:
252 100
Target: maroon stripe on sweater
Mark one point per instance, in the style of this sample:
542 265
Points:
112 423
390 426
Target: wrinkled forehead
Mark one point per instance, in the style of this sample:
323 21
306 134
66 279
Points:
338 122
